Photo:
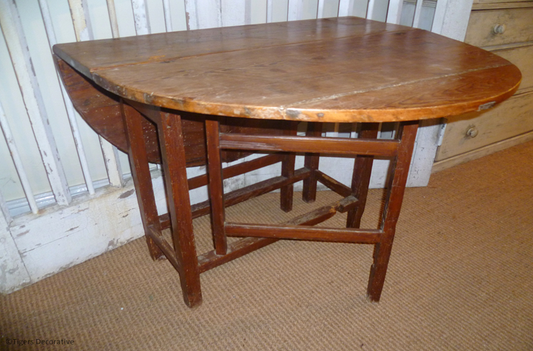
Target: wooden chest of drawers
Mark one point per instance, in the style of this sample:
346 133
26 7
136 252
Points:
506 29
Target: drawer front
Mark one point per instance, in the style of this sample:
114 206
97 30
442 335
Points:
499 4
497 1
498 27
522 57
474 130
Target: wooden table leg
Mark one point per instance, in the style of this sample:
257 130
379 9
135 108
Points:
179 206
287 170
141 175
396 188
216 186
362 170
311 162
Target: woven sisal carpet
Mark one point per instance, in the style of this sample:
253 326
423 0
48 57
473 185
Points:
460 278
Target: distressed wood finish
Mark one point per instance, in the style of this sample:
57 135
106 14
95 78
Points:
102 111
209 96
280 71
177 45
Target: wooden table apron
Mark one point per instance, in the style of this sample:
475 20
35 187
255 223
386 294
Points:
365 82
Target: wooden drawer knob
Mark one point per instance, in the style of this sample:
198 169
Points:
498 29
472 132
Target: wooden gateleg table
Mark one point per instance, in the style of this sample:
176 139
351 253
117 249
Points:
210 96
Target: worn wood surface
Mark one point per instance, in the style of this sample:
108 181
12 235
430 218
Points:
102 111
317 70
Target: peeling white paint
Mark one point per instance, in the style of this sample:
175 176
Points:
68 103
82 24
112 163
140 13
33 100
21 171
451 18
62 237
13 273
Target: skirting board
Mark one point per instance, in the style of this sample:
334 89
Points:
478 153
38 246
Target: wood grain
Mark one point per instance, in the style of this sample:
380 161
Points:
164 47
521 57
103 113
334 70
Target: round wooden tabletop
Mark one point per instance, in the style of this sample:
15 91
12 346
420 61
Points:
328 70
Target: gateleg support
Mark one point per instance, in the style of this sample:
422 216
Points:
142 178
362 170
311 162
287 170
397 180
175 176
